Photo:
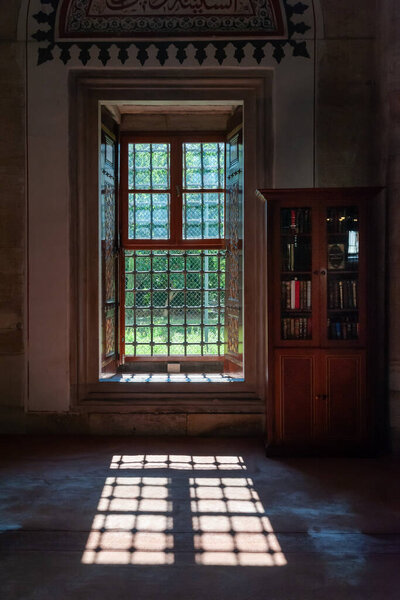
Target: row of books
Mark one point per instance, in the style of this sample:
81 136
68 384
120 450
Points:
297 255
343 329
343 293
298 328
296 294
296 220
341 220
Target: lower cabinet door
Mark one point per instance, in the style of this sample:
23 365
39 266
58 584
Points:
345 395
295 374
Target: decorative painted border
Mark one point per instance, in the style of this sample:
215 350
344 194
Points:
162 19
204 48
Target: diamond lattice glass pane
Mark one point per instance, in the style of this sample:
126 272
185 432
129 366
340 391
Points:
176 334
203 216
148 166
143 299
160 350
211 317
143 317
148 216
177 350
177 316
193 262
177 299
193 316
193 335
160 317
203 165
193 281
143 281
210 334
129 299
143 335
129 281
160 281
167 295
211 281
160 261
176 261
160 335
130 335
160 299
143 350
130 350
193 350
210 349
177 281
193 298
129 316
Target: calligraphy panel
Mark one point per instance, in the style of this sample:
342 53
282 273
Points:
158 19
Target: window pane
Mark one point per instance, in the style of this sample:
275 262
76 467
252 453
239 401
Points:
203 216
174 302
148 166
203 166
148 216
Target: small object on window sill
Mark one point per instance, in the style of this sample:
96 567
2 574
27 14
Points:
173 368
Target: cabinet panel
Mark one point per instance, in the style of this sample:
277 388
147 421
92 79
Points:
296 297
345 394
318 243
295 376
343 261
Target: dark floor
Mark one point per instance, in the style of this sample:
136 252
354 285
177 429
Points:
151 518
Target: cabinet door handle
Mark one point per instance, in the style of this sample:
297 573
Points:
323 272
321 397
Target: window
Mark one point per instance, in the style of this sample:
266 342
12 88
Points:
173 205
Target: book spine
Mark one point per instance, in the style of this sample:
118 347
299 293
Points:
292 294
296 294
308 294
341 302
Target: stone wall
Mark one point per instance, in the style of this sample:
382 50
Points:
389 78
346 95
12 211
357 62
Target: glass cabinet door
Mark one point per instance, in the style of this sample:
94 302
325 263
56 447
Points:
342 293
295 273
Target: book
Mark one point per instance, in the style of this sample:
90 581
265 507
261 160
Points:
336 256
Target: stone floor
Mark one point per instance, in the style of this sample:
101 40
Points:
150 518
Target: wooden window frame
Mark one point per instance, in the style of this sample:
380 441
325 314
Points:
88 93
176 240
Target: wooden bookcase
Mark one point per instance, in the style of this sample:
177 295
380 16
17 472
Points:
318 390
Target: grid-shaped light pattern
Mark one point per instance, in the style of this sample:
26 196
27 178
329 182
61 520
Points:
211 516
203 190
174 302
148 183
230 524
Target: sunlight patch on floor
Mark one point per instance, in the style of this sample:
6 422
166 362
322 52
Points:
139 518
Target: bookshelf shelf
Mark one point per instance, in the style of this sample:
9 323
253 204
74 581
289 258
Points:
317 316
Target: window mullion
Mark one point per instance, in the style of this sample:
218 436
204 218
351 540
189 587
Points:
176 191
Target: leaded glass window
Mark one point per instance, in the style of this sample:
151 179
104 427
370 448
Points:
174 302
173 204
203 190
149 191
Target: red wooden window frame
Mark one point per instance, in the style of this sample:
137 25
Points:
176 191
